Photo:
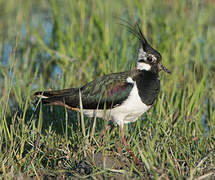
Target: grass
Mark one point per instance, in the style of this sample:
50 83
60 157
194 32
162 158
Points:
60 44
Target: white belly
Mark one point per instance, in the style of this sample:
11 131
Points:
128 111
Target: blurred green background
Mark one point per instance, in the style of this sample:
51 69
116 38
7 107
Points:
60 44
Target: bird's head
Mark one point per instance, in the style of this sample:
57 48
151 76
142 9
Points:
148 59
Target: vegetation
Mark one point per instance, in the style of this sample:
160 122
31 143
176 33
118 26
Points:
61 44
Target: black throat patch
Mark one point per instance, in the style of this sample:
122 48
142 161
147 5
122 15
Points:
148 85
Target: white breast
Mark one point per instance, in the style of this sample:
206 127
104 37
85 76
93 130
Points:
128 111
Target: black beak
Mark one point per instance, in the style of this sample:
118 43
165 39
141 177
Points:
162 67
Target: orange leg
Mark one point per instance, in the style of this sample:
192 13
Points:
104 132
135 159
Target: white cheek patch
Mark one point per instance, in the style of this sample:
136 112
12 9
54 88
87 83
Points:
143 66
142 54
154 58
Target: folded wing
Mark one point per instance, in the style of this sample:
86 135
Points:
104 92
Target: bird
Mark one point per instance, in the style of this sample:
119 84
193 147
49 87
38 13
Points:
121 97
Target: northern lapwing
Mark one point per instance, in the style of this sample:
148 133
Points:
120 97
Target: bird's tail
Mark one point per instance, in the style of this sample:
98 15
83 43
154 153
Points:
48 94
49 97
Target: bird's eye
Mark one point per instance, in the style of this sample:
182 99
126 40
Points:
149 58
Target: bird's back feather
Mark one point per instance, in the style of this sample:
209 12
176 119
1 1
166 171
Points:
105 92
